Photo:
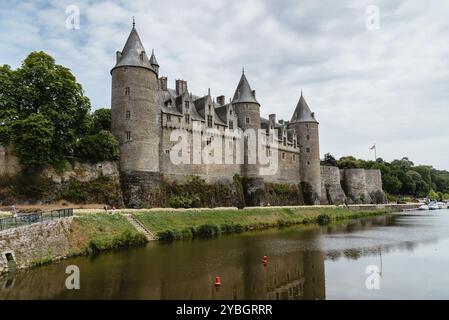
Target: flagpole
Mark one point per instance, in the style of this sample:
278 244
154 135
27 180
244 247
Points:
375 153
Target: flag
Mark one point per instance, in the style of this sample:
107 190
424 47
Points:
373 147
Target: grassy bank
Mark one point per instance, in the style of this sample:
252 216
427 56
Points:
187 224
99 232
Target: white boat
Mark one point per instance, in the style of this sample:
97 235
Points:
423 207
441 205
433 205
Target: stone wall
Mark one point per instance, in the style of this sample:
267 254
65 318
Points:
35 243
331 189
363 186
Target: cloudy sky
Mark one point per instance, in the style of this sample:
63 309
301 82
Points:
387 85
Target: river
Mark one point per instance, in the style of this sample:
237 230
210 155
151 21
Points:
403 256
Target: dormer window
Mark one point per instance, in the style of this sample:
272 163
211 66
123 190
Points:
231 124
142 55
127 91
186 104
209 108
230 112
209 121
128 115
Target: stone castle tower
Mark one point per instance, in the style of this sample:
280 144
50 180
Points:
135 111
307 128
145 111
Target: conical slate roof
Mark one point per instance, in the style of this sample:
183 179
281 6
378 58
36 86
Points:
302 112
153 60
133 54
243 93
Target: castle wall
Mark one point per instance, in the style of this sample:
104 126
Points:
211 173
9 164
331 190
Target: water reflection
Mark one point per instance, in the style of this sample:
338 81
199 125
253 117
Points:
303 263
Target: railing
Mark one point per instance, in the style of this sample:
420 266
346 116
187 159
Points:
30 218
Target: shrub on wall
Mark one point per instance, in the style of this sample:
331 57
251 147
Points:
103 189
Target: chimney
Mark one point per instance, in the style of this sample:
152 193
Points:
181 86
272 118
221 100
163 83
281 122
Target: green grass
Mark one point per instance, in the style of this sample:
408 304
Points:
176 224
99 232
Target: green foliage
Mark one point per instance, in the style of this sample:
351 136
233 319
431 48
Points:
329 160
33 141
323 219
433 195
43 108
103 189
402 177
101 120
184 201
102 146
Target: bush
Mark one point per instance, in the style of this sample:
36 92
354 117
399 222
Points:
323 219
98 147
184 201
208 231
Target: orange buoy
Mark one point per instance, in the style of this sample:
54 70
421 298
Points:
217 281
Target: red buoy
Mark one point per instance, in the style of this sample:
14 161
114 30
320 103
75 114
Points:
217 281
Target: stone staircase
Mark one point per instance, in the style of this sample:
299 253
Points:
140 227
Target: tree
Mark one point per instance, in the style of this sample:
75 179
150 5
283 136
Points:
433 195
98 147
101 120
33 138
41 87
329 160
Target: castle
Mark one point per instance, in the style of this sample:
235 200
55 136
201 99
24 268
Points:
145 111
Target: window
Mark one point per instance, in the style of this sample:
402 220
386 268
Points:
179 119
284 141
128 135
247 119
128 114
209 121
308 150
230 112
186 104
187 118
283 155
231 124
168 118
308 163
308 137
208 141
294 157
127 90
209 107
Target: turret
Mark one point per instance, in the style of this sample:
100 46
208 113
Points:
154 62
134 109
247 109
307 130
